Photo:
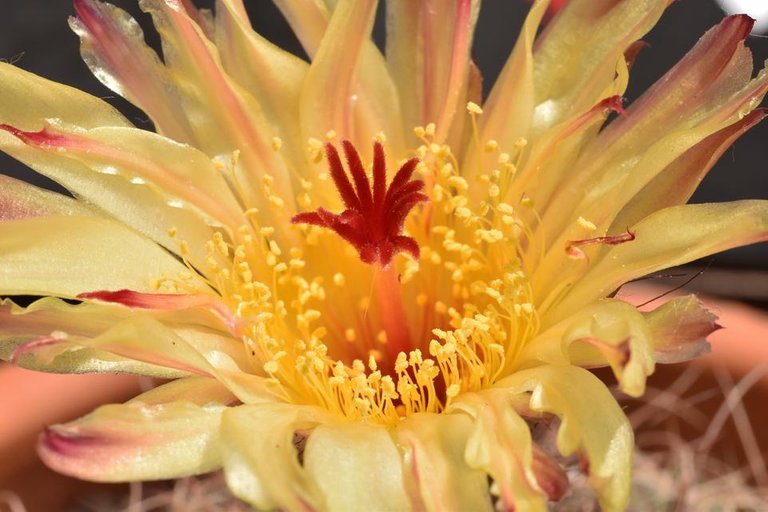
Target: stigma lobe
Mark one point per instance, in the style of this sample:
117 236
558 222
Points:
375 214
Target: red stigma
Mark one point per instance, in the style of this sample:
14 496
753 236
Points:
374 216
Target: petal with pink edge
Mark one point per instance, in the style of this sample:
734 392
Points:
135 441
680 328
112 45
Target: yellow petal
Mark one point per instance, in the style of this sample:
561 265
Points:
593 425
261 458
38 337
437 476
68 255
667 238
178 172
131 442
29 99
200 391
19 200
354 463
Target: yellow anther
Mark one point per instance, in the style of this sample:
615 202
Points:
277 143
584 223
430 129
330 134
420 132
338 279
491 145
474 108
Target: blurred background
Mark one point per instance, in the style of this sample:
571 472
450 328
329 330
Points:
35 36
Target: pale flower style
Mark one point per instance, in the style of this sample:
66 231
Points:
228 250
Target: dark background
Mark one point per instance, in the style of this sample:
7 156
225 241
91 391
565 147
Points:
34 35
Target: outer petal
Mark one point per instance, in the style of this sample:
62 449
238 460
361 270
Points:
709 90
680 328
112 45
47 102
356 463
676 184
592 425
178 172
98 254
437 475
200 391
120 443
261 457
667 238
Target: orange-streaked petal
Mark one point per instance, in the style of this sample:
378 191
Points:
675 184
428 54
273 76
348 88
224 117
150 442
